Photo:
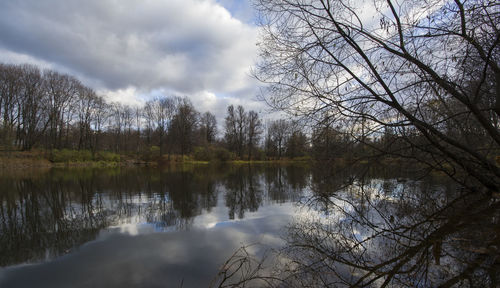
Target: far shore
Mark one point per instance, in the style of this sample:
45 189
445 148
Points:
41 159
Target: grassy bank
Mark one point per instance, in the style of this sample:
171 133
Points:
85 158
17 159
59 158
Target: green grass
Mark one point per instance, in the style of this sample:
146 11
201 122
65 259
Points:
79 156
85 158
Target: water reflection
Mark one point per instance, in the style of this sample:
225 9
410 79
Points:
365 229
42 218
46 215
243 192
357 226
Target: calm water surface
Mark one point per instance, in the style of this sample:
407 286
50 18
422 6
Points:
175 227
139 227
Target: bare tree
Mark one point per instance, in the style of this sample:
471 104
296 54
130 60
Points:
235 126
159 112
254 130
138 123
148 118
128 122
329 142
117 124
34 116
61 90
10 90
297 145
208 127
429 69
101 114
279 131
86 107
424 77
183 126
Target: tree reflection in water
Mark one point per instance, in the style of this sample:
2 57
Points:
248 186
363 230
243 192
42 219
360 226
46 215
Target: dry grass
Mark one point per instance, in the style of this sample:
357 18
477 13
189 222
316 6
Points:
23 159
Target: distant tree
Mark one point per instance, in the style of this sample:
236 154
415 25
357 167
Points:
138 123
101 114
254 131
297 144
34 116
230 127
61 90
10 90
86 106
208 127
147 114
279 131
159 112
183 126
235 126
128 122
117 124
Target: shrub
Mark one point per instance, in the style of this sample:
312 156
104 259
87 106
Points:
202 154
66 155
223 154
155 151
150 153
107 156
260 155
212 153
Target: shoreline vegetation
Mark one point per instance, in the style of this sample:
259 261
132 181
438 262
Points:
85 158
49 119
56 120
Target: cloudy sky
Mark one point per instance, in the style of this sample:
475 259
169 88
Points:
131 50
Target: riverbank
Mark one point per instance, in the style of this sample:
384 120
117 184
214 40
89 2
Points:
73 158
84 158
63 158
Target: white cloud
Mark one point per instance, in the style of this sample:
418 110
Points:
128 49
204 101
127 96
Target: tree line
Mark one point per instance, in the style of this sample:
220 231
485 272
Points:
49 110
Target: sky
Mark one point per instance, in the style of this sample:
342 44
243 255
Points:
130 50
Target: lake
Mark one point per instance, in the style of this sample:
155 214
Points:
175 227
138 226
